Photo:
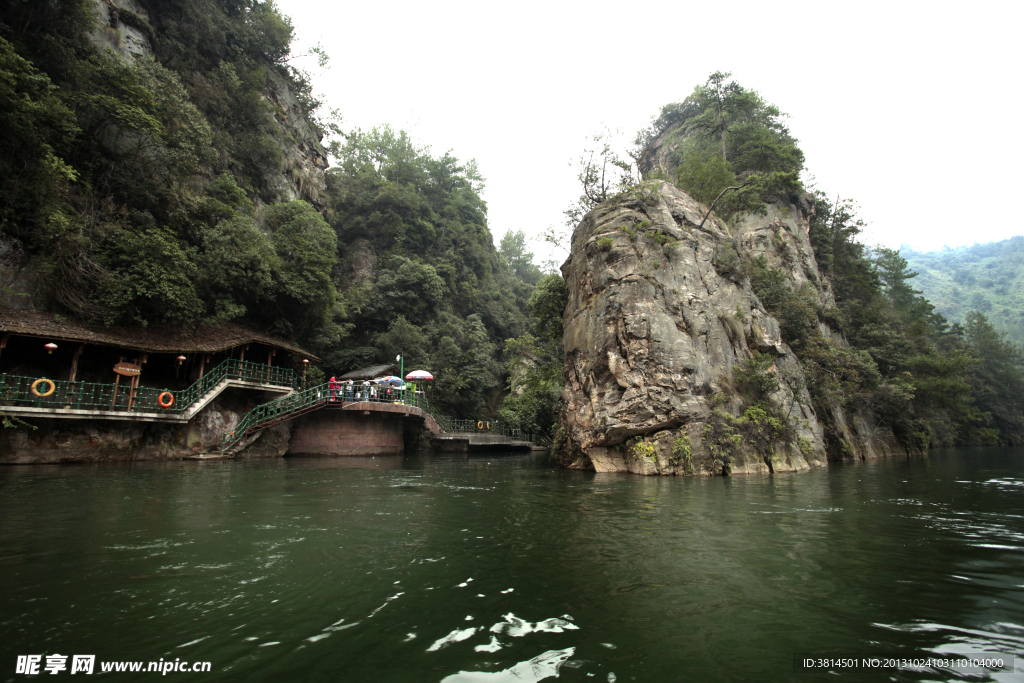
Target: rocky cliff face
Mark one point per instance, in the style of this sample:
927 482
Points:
123 26
660 328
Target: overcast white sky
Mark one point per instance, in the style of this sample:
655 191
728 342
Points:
910 108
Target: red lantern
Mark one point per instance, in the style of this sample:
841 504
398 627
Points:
49 347
181 359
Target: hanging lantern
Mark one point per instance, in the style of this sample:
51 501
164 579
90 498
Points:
49 347
305 361
181 359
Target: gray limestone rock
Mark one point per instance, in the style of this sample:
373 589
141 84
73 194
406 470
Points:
659 315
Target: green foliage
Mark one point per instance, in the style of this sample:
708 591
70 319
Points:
997 377
727 261
761 427
306 249
513 250
151 278
757 375
602 173
13 422
726 147
236 266
922 378
986 278
133 183
547 307
638 447
682 452
435 284
534 363
605 243
722 439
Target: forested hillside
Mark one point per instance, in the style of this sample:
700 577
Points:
988 278
161 163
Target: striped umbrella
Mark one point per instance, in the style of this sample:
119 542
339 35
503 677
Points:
417 375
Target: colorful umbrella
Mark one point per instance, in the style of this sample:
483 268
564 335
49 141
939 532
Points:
417 375
390 379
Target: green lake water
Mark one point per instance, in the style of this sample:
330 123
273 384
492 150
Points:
502 567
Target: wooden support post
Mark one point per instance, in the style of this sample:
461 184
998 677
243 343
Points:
131 392
3 341
132 386
117 381
202 364
70 393
74 362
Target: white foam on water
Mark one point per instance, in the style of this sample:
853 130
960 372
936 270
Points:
537 669
516 627
393 597
272 642
456 636
408 637
492 646
337 627
317 637
193 642
509 590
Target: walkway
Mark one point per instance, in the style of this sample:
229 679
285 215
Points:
89 400
443 429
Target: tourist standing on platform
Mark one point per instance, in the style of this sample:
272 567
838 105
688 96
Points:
333 386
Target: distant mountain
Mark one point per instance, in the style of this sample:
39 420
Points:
988 278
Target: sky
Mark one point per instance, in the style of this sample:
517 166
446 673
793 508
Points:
908 108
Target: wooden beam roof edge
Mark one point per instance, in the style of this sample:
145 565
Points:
227 336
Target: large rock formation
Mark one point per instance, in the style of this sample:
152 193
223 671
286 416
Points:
660 318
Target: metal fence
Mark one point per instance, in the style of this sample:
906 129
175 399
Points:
293 405
122 397
323 395
489 427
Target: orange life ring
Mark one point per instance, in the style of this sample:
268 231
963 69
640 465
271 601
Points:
35 387
170 399
479 425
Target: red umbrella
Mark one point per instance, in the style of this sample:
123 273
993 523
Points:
418 375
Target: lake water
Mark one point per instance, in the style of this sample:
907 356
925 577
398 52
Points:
503 568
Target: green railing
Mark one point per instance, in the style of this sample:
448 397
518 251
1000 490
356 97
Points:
17 391
240 370
286 407
489 427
